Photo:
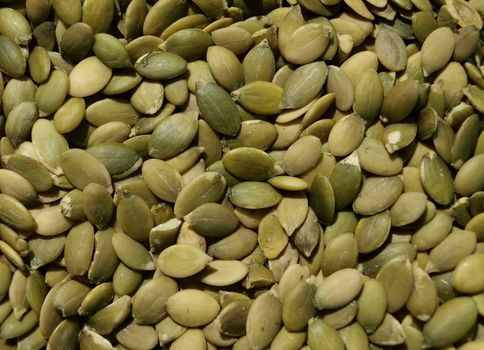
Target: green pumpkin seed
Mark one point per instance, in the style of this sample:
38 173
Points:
159 65
345 180
173 135
132 253
323 336
13 62
372 305
451 321
298 90
391 50
206 188
192 307
330 295
397 280
390 332
272 238
88 77
261 97
225 67
399 101
446 255
109 317
264 320
218 109
377 194
254 195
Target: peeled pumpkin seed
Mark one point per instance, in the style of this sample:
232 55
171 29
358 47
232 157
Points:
218 109
132 253
254 195
264 320
192 307
303 85
223 272
250 164
260 97
330 296
323 336
451 321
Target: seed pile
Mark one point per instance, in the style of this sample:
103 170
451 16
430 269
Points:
235 174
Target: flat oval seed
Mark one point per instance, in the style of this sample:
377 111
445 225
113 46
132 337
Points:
110 317
372 231
79 248
97 298
173 135
88 77
345 180
424 299
271 237
399 101
206 188
303 85
182 260
372 305
397 280
132 253
12 61
377 194
13 328
390 332
69 297
159 65
147 98
218 109
137 336
225 67
14 214
162 179
213 220
375 159
264 320
437 50
119 159
221 273
408 208
111 110
466 182
149 302
254 195
261 97
297 306
192 307
323 336
450 322
391 50
82 168
259 63
342 87
331 294
134 217
436 179
368 95
191 338
467 277
302 155
189 43
346 135
447 254
235 246
250 164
